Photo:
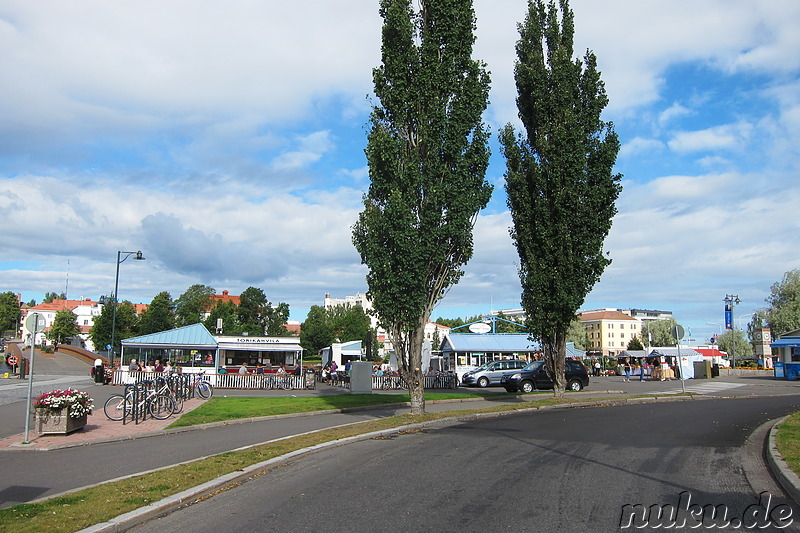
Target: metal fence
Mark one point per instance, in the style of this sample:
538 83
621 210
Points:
271 381
443 380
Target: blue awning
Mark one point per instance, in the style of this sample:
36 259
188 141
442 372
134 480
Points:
786 342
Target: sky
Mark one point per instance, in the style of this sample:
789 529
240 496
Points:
225 140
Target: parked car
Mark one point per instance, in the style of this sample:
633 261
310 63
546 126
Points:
534 376
491 372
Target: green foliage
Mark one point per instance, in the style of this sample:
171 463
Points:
127 325
250 314
256 315
227 312
577 334
342 323
559 180
159 315
193 304
65 325
451 322
659 332
733 343
349 323
635 344
50 296
427 153
276 318
783 313
9 311
316 332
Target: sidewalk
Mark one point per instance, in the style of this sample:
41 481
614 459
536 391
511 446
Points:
98 429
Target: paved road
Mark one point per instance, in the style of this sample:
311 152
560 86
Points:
565 470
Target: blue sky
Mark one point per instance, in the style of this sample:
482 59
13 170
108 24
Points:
225 140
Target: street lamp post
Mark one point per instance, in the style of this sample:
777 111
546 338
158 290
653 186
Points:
731 300
138 257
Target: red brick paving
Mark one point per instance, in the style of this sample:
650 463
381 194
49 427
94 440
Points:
98 429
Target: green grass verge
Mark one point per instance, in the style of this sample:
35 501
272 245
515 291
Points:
788 441
87 507
221 409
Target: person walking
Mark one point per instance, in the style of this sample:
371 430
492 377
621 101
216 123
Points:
627 370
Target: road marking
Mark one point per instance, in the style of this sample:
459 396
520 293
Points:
704 388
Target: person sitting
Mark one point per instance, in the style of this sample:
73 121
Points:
158 367
243 369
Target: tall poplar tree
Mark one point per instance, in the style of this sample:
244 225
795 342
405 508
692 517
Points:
559 181
427 153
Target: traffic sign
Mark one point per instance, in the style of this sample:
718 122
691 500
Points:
677 332
12 360
35 322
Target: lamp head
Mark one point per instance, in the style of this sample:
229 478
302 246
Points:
139 256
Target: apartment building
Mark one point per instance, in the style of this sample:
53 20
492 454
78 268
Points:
609 331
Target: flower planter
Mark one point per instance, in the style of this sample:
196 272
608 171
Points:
57 422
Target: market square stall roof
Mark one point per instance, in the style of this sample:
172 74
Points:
194 336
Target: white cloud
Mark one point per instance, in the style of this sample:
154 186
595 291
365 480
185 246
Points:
726 137
638 145
674 111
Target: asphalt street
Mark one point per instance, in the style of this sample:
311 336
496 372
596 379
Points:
564 470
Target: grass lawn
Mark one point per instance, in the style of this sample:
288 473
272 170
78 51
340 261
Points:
788 441
221 409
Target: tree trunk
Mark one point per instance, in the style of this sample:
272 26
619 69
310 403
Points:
408 349
555 353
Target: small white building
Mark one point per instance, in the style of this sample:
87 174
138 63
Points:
85 311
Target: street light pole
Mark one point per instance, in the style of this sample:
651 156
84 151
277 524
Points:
731 300
138 257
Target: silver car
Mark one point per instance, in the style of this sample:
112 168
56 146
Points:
491 372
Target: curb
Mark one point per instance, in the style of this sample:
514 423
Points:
786 477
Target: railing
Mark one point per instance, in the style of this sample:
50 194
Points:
394 382
270 381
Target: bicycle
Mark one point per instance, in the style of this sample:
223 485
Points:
163 387
158 406
202 388
281 381
445 380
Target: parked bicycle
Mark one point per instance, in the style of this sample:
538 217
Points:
139 401
445 380
202 388
167 386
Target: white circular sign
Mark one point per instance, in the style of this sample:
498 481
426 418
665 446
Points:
480 327
35 321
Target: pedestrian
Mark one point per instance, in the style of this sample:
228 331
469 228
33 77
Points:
627 369
260 372
98 372
596 368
